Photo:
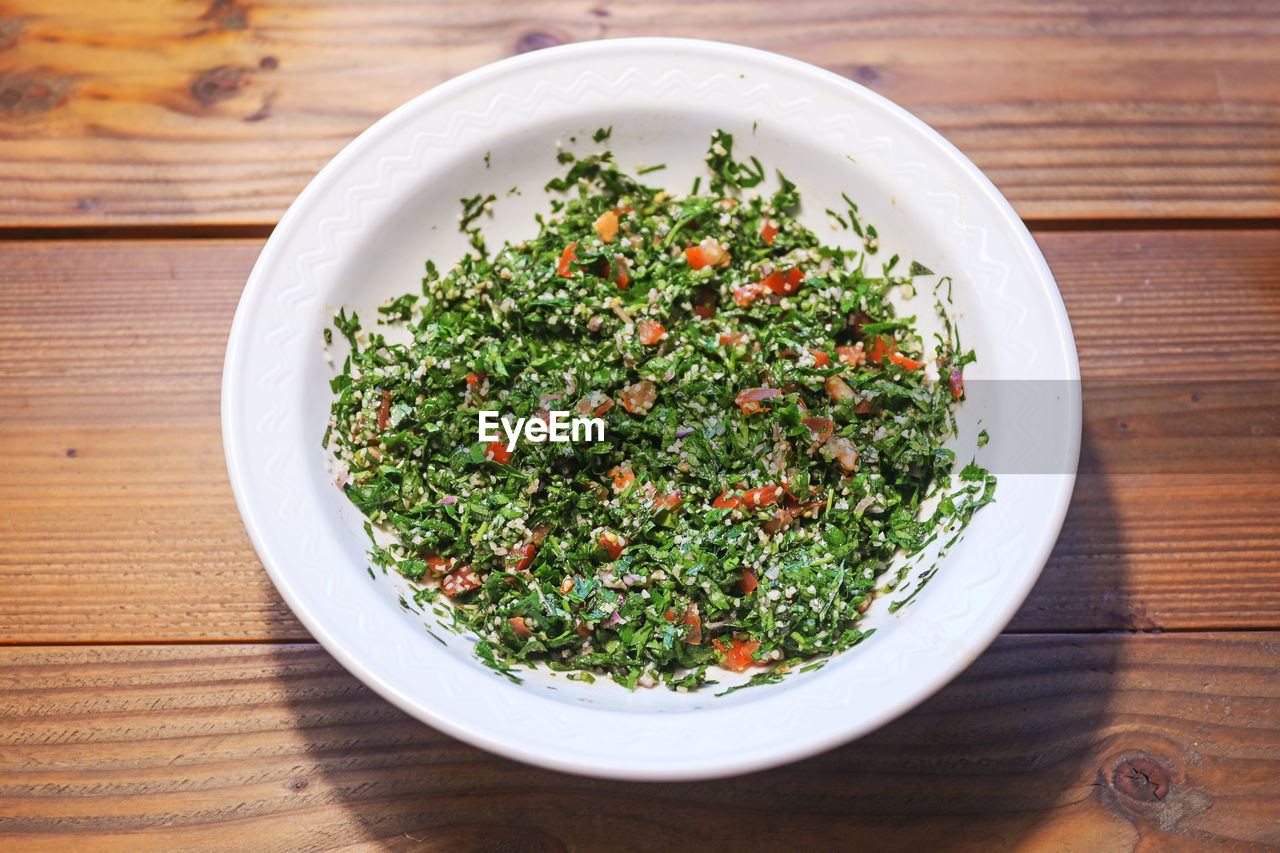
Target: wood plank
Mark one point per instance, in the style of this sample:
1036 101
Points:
127 111
1100 743
117 523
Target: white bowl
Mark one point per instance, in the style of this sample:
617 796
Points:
360 233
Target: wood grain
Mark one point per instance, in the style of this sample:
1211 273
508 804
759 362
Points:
219 111
1098 743
117 522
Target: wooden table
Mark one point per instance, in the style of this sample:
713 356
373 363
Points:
156 693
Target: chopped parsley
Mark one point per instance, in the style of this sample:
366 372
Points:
772 432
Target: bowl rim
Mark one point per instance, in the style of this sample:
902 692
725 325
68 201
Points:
721 764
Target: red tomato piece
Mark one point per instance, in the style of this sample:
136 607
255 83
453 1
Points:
638 398
566 257
748 293
613 544
820 358
671 503
769 231
622 476
692 622
763 496
852 356
732 338
436 564
521 630
737 654
521 556
606 226
696 257
784 284
904 362
751 399
748 582
957 384
497 451
650 332
820 427
621 276
459 581
726 501
879 349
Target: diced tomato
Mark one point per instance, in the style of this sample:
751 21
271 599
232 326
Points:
886 348
497 451
769 231
820 427
732 338
384 410
595 403
838 389
606 226
820 358
621 275
864 408
566 585
763 496
626 208
475 380
726 501
693 626
784 284
521 556
957 384
852 356
613 544
459 581
692 622
748 293
748 582
706 312
638 398
737 654
696 257
842 450
565 258
622 476
650 332
521 630
583 630
751 399
904 362
436 564
671 503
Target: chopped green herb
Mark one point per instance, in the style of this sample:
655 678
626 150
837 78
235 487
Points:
766 453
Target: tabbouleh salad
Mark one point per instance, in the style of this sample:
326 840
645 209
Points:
773 431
